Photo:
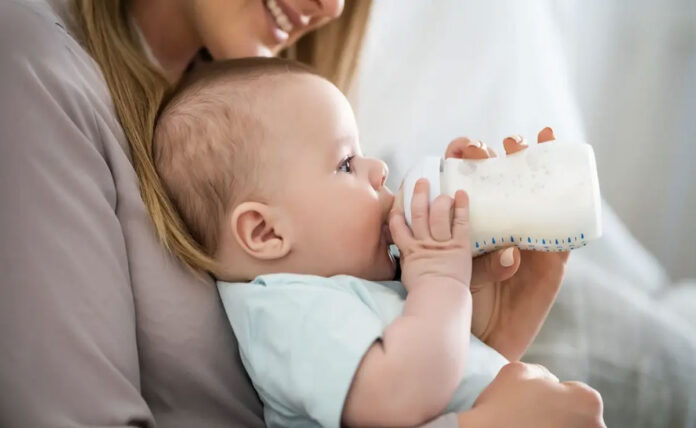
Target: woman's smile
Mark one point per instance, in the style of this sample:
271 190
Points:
280 35
281 19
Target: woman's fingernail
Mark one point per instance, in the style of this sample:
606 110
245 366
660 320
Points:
547 132
516 139
474 143
507 259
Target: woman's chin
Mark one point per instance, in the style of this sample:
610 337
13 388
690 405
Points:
251 48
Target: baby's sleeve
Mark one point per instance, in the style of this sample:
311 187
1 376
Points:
301 340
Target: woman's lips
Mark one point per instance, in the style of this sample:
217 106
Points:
296 20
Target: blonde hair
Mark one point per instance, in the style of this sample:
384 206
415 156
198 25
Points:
137 90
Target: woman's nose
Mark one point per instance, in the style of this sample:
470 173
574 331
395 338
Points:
378 173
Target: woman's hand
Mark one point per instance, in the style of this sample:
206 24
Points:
528 395
512 290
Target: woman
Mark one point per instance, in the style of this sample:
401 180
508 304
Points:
101 325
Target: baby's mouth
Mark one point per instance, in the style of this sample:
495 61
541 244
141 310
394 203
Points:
387 234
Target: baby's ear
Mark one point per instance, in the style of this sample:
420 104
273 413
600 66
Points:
257 231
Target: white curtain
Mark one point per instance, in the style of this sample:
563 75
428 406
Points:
619 75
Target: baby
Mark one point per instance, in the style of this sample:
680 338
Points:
262 159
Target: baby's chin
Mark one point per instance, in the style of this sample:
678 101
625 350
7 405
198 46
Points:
383 269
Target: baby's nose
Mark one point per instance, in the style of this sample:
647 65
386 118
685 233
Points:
379 174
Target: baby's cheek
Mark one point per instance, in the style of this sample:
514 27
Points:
355 236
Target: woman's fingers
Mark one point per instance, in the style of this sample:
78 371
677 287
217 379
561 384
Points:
441 218
491 153
455 149
514 144
563 255
465 148
545 135
475 149
420 209
496 266
478 150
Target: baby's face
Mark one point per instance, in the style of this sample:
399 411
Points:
335 197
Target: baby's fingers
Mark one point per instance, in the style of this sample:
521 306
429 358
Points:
441 218
420 207
400 232
460 223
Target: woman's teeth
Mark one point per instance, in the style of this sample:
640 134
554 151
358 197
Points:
281 19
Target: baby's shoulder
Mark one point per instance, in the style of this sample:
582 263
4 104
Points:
281 283
286 299
348 283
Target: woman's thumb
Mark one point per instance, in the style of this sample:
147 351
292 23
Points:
496 266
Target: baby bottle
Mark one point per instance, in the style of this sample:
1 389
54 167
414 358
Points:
543 198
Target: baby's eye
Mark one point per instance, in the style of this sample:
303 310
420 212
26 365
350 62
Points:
345 165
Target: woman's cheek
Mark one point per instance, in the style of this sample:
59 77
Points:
232 29
333 8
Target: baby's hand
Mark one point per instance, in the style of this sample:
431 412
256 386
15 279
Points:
438 246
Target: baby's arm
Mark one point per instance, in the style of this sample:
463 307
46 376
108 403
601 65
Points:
410 375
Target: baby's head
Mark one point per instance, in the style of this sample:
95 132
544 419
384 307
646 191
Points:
261 158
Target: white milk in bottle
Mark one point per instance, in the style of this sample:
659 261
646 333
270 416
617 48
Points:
544 198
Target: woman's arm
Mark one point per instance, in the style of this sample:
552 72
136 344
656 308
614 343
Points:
67 323
512 296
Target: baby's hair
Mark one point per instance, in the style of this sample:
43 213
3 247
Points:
208 142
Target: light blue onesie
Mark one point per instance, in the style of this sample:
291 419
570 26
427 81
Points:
302 337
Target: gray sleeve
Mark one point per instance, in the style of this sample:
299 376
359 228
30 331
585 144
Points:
68 352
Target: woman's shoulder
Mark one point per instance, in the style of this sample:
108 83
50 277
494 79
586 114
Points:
36 38
41 59
26 25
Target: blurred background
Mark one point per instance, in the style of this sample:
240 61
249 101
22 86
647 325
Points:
618 75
